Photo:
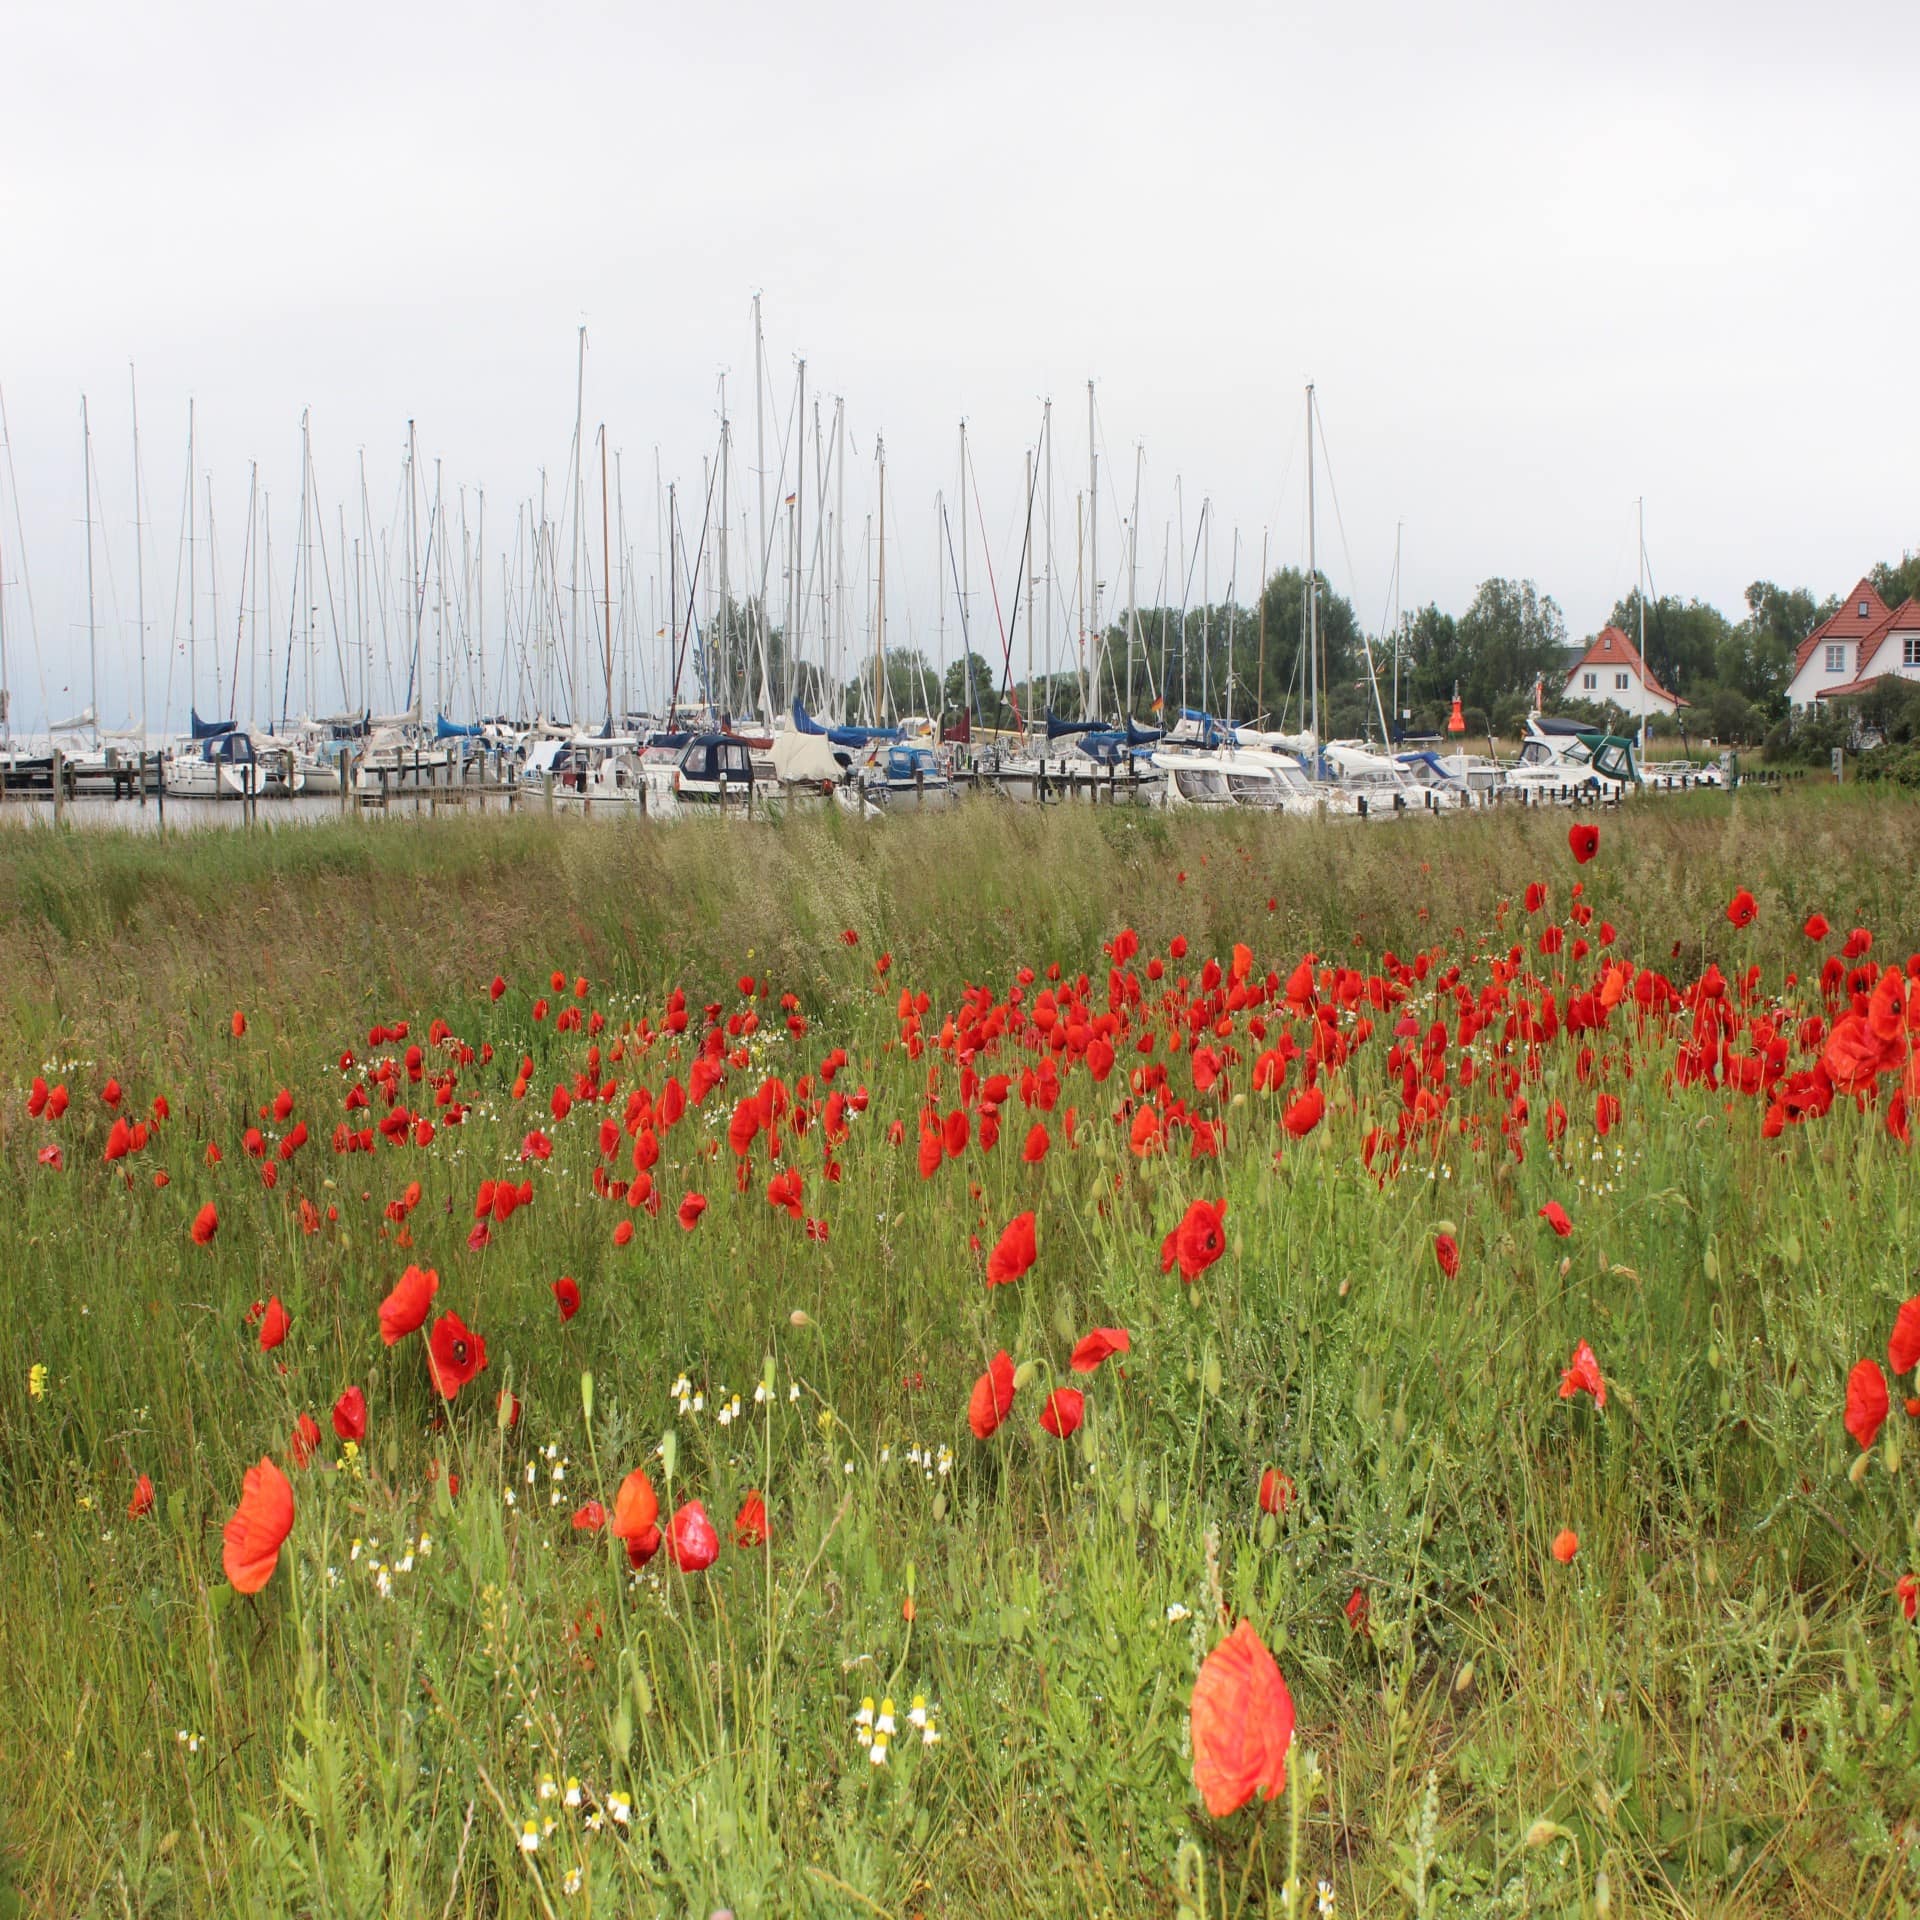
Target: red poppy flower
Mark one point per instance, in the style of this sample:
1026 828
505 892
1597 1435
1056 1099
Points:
1304 1113
259 1525
405 1309
691 1208
1555 1215
238 1026
1816 927
1566 1543
304 1438
110 1093
350 1415
454 1354
691 1536
1742 908
992 1397
589 1518
498 987
783 1193
1866 1402
1241 1722
750 1523
1903 1344
1909 1594
642 1547
142 1501
1097 1346
1446 1250
1276 1491
1584 841
1015 1253
1199 1240
1038 1141
51 1156
566 1296
206 1223
1859 941
636 1507
1583 1375
1536 896
1066 1407
274 1324
851 938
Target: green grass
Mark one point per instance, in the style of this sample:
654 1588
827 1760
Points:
1714 1710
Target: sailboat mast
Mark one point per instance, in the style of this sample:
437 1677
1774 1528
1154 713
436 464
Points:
673 605
86 477
1029 699
880 599
1260 675
437 541
1397 528
415 591
606 577
139 551
797 619
573 588
193 645
966 631
760 465
1640 594
725 689
1046 434
1093 536
1233 598
213 585
1206 601
1313 593
306 556
839 538
479 597
1133 579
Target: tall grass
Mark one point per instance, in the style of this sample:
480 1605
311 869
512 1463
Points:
1714 1709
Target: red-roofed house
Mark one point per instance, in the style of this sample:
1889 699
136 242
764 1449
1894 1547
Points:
1889 649
1611 673
1829 658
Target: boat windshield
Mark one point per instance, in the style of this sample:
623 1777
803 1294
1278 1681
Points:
1201 785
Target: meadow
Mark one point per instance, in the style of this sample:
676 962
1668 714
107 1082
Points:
1452 1251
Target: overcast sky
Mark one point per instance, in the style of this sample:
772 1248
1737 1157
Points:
1539 261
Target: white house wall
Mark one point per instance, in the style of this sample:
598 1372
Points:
1634 698
1806 684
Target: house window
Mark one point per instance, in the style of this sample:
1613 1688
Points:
1606 639
1837 659
1910 650
1620 682
1592 680
1863 609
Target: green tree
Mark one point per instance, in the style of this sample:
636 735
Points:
1511 635
912 686
1684 638
1433 667
973 686
1895 584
